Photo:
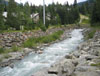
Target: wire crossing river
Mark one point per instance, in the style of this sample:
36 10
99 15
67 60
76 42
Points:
35 62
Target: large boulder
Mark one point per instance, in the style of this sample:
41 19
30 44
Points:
67 67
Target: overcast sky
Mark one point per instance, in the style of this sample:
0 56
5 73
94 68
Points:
40 2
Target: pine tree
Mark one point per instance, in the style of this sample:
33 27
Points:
83 9
76 11
1 15
27 18
12 16
95 18
75 3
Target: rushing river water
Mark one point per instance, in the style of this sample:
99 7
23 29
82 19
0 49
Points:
35 62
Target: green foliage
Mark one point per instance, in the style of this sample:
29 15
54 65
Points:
19 15
27 19
12 49
15 48
7 56
91 34
83 9
95 17
13 19
29 43
1 15
85 21
42 26
98 64
2 50
33 42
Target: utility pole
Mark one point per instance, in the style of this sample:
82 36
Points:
20 1
52 1
44 12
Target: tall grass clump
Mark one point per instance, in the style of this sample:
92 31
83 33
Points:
33 42
91 34
15 48
2 50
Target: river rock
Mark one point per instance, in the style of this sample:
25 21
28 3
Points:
67 67
69 56
87 73
85 68
54 70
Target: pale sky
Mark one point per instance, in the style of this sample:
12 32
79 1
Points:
40 2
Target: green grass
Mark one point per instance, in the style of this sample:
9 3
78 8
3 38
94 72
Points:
12 49
6 56
91 34
98 64
15 48
85 21
33 42
2 50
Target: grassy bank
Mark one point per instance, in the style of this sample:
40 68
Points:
12 49
33 42
93 31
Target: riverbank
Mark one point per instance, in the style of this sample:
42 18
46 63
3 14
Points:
11 57
83 62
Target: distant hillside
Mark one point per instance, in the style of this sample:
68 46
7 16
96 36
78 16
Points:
81 3
5 2
88 1
91 1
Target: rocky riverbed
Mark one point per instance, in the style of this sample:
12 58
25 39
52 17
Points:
9 39
83 62
15 56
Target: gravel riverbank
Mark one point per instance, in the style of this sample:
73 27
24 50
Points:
83 62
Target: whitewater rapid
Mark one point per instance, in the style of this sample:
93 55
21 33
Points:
35 62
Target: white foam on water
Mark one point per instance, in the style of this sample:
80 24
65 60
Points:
35 62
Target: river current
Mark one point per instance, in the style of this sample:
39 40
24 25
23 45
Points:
35 62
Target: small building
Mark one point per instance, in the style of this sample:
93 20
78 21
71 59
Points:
35 17
5 14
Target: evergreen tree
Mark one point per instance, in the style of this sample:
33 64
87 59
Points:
1 15
95 18
75 3
12 16
83 9
76 11
27 17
